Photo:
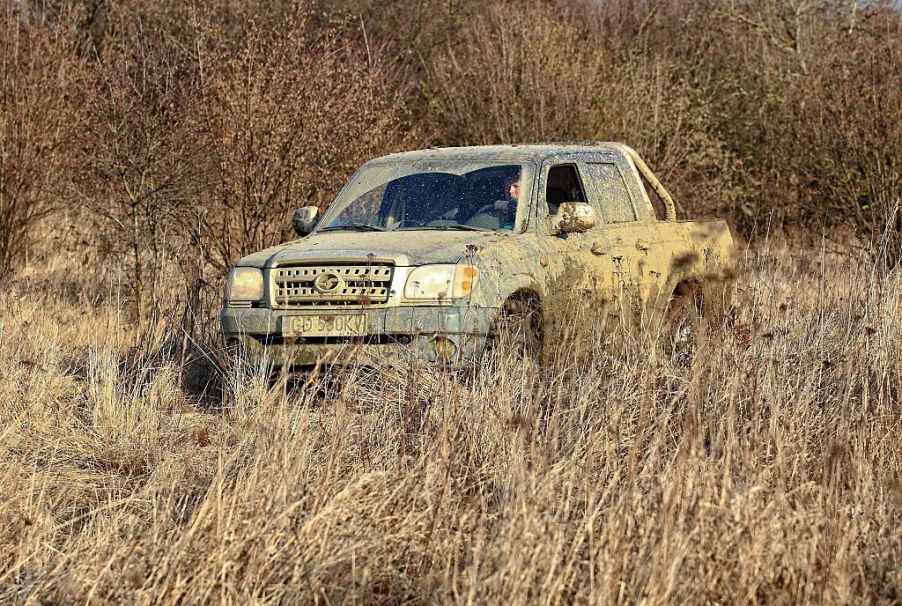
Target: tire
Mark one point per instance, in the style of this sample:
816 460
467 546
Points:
519 327
681 324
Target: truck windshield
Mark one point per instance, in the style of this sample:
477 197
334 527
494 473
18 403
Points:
428 195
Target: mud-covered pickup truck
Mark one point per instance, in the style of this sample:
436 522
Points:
431 251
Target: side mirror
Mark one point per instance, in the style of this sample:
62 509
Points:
304 220
573 217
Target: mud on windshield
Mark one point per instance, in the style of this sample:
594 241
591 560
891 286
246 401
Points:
436 196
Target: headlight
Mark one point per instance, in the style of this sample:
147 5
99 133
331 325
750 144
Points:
441 281
244 284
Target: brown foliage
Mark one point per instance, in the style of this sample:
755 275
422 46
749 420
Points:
140 150
745 109
168 138
203 131
37 64
289 114
199 127
818 87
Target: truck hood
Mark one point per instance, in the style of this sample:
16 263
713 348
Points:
406 248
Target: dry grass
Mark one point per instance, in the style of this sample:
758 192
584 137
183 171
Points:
155 143
768 471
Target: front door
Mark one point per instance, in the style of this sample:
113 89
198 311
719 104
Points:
580 281
617 267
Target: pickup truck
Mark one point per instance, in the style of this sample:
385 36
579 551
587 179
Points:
432 251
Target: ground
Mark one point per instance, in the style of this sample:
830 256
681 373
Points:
764 470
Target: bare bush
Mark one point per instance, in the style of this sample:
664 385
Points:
747 110
289 114
849 130
764 471
787 108
525 74
141 175
38 64
813 109
206 129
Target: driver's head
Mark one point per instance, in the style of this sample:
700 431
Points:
513 190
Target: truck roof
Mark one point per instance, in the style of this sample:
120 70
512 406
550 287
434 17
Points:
512 152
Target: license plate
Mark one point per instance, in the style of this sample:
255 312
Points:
325 325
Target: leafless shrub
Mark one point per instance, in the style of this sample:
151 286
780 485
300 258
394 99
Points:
140 151
765 108
205 130
38 63
813 111
288 114
524 74
766 470
848 170
744 108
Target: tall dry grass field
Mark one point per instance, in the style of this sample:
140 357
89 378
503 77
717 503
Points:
767 470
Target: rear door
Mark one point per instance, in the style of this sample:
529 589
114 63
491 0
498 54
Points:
628 239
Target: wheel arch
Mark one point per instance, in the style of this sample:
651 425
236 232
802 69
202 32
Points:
686 286
712 298
515 300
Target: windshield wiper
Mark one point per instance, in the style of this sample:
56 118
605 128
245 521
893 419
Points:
449 227
353 227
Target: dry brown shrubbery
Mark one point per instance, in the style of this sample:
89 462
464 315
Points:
290 116
184 134
191 134
35 125
767 471
746 109
523 74
265 116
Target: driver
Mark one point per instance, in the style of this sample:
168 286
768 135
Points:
500 214
507 207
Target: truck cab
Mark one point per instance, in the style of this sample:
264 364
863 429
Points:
427 251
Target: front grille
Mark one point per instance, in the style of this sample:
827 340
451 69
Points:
311 285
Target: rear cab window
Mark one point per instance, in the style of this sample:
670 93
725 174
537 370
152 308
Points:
615 189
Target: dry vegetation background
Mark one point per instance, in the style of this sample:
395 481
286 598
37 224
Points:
145 146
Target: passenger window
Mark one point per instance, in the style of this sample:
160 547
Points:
614 203
563 186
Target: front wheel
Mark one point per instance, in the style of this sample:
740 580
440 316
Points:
519 328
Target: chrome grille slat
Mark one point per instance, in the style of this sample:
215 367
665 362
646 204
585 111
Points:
359 284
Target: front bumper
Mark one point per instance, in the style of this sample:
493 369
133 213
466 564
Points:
454 335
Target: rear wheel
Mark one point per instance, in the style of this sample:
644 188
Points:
681 323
